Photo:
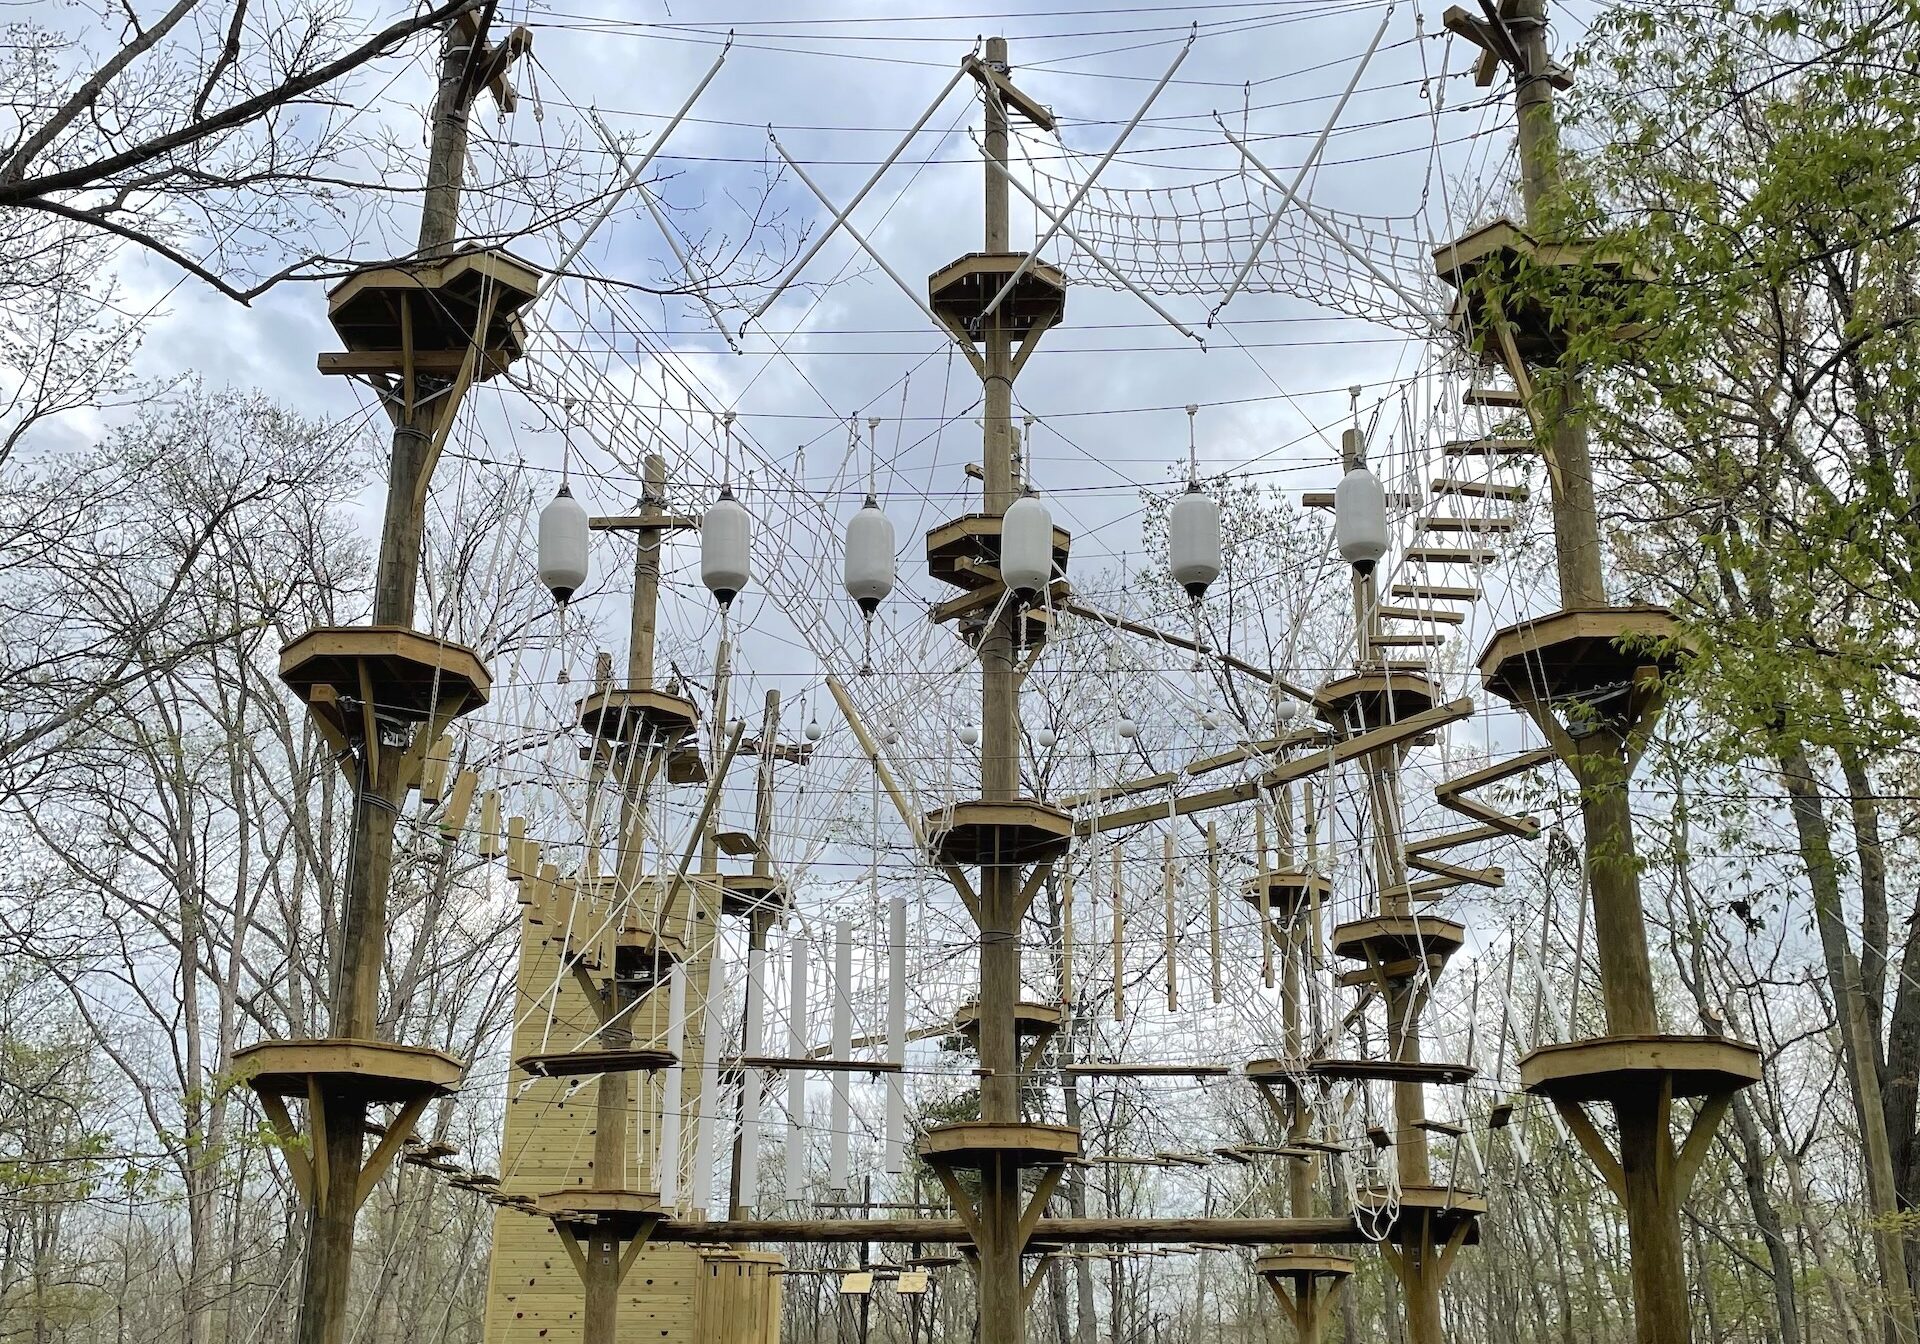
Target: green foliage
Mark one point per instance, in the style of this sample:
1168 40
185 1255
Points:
1762 164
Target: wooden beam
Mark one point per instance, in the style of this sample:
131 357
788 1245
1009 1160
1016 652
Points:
1106 1231
1247 790
1010 93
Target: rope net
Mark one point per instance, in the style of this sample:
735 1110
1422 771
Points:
1194 238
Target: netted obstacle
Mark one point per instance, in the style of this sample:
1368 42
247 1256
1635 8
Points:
1195 239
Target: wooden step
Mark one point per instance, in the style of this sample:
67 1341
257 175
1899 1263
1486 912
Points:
1450 793
1506 398
1459 874
1441 1127
1449 555
1436 592
1424 640
1474 525
1426 889
1323 499
1452 485
1490 447
1468 835
1431 615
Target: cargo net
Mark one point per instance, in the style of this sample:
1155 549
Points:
1193 239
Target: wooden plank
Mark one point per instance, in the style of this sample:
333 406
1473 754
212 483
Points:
1449 485
1245 791
1437 592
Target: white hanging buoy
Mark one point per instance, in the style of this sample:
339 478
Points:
1193 541
969 735
1360 519
724 538
1208 720
1285 708
1045 739
890 736
814 731
563 545
1026 547
867 571
1127 728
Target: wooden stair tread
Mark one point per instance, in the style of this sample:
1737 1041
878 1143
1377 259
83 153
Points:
1409 640
1452 485
1449 555
580 1063
1469 525
1432 615
1437 592
1396 499
1505 397
1489 447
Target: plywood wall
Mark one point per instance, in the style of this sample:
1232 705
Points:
533 1293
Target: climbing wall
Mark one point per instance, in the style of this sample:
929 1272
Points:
673 1292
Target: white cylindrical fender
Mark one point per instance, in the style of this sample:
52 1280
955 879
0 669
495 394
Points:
725 547
1026 548
1193 541
1360 519
867 570
563 534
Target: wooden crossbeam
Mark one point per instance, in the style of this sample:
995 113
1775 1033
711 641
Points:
1247 790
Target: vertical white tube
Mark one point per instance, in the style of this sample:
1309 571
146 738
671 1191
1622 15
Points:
896 1154
751 1033
666 1166
709 1100
841 1116
797 1046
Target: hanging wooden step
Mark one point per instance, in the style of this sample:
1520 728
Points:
1466 836
1459 874
1449 555
1502 398
1490 526
1429 615
1449 485
1426 889
1323 499
1490 448
1451 793
1422 640
1441 1127
1437 592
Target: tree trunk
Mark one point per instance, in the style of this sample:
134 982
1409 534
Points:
1858 1048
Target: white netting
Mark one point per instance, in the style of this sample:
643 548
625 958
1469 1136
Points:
1194 238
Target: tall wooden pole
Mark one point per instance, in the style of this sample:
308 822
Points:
354 1000
1002 1312
613 1094
1662 1311
1405 997
759 923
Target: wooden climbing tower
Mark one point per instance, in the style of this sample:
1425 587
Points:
1592 677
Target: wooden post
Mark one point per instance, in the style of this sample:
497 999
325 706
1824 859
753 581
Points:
354 999
759 923
1002 1306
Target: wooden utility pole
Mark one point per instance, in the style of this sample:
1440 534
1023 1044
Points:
422 405
1013 842
1591 677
